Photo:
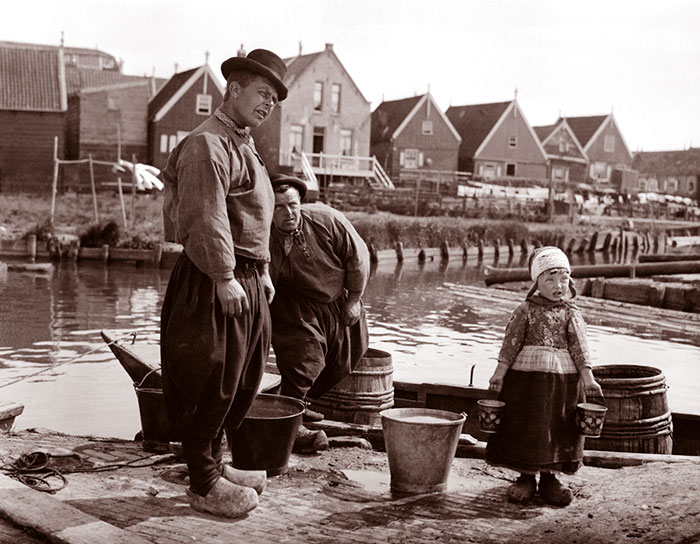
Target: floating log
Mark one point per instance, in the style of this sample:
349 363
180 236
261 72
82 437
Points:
37 268
666 257
503 275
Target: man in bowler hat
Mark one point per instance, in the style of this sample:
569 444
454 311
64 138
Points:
215 321
320 268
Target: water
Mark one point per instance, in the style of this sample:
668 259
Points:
71 382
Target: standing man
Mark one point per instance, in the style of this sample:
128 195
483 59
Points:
320 268
215 322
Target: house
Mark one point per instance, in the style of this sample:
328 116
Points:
603 144
182 104
413 134
322 130
675 173
498 142
32 114
76 95
566 159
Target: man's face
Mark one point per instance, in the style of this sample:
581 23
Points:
253 103
287 214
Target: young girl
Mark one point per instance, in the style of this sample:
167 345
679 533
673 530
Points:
543 371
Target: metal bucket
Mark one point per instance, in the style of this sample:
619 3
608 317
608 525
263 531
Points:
421 445
155 425
265 438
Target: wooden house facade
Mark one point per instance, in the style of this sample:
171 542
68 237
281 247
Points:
675 173
603 144
322 130
32 113
498 142
413 135
183 103
566 159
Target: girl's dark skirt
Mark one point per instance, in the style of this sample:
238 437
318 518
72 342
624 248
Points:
538 431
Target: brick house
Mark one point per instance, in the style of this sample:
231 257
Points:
182 104
603 144
322 130
498 142
32 113
413 134
566 159
675 173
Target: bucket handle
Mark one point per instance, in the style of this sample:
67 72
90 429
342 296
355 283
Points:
138 386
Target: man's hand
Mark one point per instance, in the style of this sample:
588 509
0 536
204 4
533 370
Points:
232 297
268 286
351 312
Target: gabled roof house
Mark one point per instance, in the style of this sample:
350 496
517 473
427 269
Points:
498 142
669 172
413 134
183 103
603 144
566 159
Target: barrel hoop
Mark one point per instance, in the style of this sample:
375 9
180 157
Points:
359 407
638 435
664 418
632 393
372 372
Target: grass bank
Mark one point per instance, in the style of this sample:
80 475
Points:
21 215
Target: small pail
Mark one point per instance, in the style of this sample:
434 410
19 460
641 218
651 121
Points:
420 444
366 391
490 414
638 419
265 438
590 418
155 425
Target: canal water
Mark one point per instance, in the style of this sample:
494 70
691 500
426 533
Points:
54 362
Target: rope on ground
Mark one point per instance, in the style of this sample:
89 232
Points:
31 469
131 335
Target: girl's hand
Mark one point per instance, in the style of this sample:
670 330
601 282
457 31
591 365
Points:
496 383
593 389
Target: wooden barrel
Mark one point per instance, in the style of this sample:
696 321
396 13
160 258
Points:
360 396
638 418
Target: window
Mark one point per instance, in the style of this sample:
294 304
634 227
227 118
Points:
296 138
427 127
163 143
410 158
510 169
609 143
203 104
172 142
691 185
558 173
599 170
345 141
113 103
513 141
335 98
318 96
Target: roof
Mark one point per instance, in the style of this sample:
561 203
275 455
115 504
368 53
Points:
585 127
31 79
544 131
298 65
176 87
668 163
168 90
389 115
475 122
83 78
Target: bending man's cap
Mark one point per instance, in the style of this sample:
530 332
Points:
281 179
262 62
547 258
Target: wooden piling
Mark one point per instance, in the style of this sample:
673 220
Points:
511 248
570 247
480 249
594 242
607 241
372 254
496 249
31 246
444 251
524 247
399 251
105 253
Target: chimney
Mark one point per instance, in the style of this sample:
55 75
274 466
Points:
300 48
241 52
329 47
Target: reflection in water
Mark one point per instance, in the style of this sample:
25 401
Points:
417 313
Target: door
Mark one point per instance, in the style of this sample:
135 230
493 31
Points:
318 145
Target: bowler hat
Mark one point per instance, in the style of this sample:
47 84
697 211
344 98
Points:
262 62
283 179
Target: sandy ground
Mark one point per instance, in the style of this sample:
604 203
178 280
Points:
654 502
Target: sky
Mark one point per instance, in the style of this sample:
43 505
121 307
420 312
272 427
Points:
639 60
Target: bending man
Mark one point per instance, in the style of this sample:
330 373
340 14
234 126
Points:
320 268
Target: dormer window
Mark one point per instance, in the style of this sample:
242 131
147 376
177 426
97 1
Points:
609 143
203 104
427 127
335 98
318 96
